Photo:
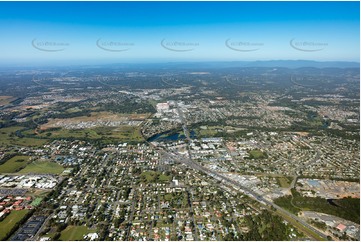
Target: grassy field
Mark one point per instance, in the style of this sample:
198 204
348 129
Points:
168 197
123 133
256 154
8 138
54 129
9 222
73 110
164 178
67 133
93 117
14 164
283 182
72 233
154 176
43 167
106 134
209 131
36 202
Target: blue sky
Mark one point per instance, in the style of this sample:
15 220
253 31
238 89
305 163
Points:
108 32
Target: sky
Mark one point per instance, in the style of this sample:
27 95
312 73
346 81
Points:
128 32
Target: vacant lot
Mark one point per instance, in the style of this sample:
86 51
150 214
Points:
72 233
9 222
14 164
42 167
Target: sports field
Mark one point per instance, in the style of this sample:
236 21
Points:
72 233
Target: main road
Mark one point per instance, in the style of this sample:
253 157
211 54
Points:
184 123
195 165
237 185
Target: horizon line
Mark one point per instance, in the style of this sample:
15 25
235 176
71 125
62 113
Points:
63 64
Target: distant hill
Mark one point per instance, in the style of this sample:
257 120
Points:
233 64
304 63
202 64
